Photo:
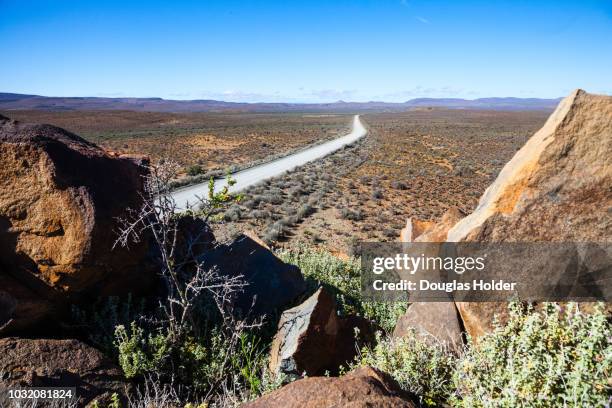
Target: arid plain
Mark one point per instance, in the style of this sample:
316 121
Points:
415 163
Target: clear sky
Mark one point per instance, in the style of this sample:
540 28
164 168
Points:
305 51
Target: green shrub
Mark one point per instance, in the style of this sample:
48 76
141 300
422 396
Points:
419 367
546 358
207 363
195 170
141 353
552 357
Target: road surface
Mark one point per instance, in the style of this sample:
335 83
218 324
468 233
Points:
188 196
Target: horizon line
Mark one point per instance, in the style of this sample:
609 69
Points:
285 102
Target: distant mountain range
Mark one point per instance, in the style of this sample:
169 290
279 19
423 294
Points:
12 101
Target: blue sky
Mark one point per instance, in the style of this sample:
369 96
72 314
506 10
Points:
305 51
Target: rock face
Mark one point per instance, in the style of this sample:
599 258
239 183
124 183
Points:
363 388
59 199
312 339
557 188
272 284
59 363
434 322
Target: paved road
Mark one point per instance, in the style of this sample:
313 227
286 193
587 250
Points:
187 196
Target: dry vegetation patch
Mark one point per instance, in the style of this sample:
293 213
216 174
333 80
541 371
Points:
411 164
198 141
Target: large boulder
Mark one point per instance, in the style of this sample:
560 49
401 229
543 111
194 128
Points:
312 339
364 387
60 197
435 322
60 363
556 188
272 283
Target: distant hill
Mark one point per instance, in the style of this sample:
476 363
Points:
12 101
487 103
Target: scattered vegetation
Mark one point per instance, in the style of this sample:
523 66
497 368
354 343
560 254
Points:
204 144
411 164
551 357
191 347
545 357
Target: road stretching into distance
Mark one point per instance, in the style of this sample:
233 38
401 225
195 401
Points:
186 197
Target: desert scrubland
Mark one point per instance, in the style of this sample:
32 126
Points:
199 142
255 299
413 164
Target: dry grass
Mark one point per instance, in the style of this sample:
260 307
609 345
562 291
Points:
208 140
412 164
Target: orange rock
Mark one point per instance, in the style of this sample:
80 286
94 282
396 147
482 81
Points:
60 197
414 227
361 388
556 188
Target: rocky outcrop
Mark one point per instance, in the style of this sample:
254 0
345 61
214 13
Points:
557 188
60 363
434 322
361 388
60 197
272 283
312 339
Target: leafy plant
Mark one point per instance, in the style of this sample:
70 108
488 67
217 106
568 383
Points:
421 368
553 357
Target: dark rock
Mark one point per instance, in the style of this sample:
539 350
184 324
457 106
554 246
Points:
312 339
60 363
272 283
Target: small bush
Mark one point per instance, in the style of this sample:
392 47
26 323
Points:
548 358
304 211
350 214
195 170
399 185
232 214
273 198
276 231
390 232
261 214
417 366
250 204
